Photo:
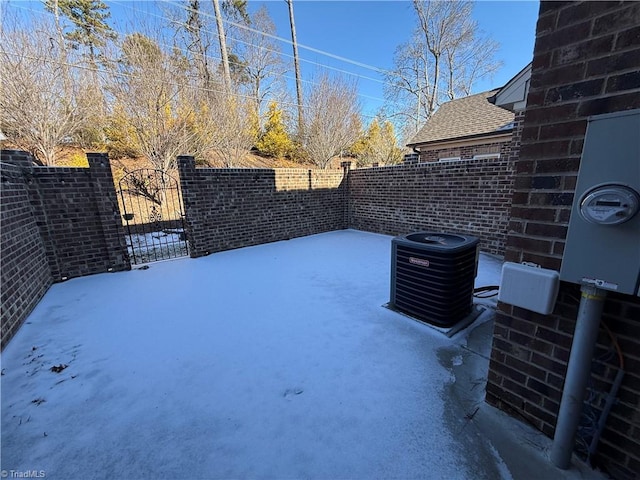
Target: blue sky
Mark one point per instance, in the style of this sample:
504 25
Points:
364 31
369 32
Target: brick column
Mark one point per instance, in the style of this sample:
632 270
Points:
346 168
187 174
17 157
109 211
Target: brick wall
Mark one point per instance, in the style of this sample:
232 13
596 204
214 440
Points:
79 218
233 208
466 196
586 62
57 223
24 270
465 152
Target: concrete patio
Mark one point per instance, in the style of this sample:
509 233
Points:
275 361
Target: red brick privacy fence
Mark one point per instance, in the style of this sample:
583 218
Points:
23 261
231 208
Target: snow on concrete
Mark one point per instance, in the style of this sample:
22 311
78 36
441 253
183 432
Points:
274 361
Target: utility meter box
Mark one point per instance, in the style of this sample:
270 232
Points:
603 241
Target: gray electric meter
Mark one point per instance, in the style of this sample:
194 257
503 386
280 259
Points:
609 204
602 246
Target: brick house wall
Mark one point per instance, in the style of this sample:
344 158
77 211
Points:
586 62
233 208
24 270
464 152
466 196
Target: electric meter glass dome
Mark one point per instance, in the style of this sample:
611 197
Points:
609 204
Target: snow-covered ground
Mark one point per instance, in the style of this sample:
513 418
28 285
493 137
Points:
154 246
274 361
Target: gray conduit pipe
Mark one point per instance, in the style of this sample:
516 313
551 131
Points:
578 372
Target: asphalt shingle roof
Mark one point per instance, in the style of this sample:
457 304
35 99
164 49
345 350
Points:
464 117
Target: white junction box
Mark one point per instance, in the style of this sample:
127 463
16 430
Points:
529 287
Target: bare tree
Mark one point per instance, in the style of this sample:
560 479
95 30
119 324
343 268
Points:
45 102
198 41
159 101
83 33
331 119
444 59
233 128
263 65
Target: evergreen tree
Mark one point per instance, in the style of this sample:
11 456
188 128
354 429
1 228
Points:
89 20
275 141
198 43
378 145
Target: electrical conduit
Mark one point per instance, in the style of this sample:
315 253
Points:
578 372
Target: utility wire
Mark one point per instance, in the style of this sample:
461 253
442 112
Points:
302 46
213 57
348 72
123 74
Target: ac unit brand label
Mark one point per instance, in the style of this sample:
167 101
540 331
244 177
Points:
423 262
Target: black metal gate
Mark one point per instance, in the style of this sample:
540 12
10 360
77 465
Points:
153 216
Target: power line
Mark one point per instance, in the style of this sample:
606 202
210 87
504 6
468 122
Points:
184 7
245 27
302 46
292 104
209 56
123 74
310 82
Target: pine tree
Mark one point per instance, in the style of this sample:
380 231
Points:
89 19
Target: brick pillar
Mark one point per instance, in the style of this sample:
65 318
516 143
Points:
17 157
346 168
187 174
109 211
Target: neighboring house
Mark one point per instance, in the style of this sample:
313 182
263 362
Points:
477 126
465 128
513 96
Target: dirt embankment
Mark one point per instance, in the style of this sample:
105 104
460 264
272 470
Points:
73 156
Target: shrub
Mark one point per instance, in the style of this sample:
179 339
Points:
275 141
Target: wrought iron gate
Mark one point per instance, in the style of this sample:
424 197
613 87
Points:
153 216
